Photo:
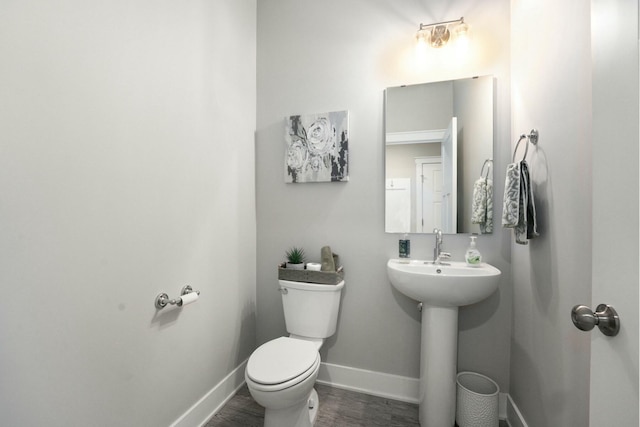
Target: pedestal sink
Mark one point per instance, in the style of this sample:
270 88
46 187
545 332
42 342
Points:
441 289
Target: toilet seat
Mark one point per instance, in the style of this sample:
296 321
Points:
282 363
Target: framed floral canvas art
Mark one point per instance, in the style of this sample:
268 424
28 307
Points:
317 148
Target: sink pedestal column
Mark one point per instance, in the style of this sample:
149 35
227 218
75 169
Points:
438 362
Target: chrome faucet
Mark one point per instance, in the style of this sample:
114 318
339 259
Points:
438 255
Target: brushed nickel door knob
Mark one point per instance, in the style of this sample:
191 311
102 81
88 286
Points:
605 318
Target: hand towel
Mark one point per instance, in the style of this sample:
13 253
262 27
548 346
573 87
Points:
519 210
482 205
520 230
326 258
511 203
479 202
487 227
530 213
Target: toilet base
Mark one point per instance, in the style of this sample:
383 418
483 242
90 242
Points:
314 404
300 415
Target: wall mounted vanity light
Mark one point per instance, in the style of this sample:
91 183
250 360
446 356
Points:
438 34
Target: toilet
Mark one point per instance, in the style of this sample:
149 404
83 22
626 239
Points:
281 373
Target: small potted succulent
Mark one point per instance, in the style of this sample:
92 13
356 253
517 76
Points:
295 258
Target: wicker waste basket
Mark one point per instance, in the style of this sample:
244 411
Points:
477 400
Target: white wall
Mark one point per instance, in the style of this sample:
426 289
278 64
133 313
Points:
126 169
615 210
334 55
551 74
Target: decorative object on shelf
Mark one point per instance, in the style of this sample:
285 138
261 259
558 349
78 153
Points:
317 147
328 259
311 276
331 274
295 258
314 266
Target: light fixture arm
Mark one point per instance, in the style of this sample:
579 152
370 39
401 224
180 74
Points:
425 26
439 33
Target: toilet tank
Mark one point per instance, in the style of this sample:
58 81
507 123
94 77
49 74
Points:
310 309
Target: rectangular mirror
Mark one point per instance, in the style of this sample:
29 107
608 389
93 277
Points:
438 148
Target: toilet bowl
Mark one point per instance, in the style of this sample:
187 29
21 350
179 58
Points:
280 376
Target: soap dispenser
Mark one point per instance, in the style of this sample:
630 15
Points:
473 256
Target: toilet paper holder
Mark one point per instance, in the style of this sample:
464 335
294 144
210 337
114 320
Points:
163 299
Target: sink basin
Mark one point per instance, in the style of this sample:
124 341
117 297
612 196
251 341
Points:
451 285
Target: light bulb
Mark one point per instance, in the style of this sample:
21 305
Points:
462 29
422 37
462 39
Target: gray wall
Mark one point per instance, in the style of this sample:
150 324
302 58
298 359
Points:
552 92
126 170
334 55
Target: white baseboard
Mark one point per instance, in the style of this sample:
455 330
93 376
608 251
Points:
390 386
502 405
514 416
405 389
213 400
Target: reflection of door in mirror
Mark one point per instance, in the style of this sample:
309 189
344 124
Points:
401 164
398 211
428 194
450 178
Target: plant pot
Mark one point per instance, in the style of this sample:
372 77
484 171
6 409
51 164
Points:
295 266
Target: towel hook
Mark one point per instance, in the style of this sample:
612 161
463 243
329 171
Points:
531 138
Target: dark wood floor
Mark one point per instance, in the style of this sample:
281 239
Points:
338 408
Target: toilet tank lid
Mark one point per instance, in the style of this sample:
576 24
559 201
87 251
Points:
280 360
307 286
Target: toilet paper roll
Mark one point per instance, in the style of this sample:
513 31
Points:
314 266
189 298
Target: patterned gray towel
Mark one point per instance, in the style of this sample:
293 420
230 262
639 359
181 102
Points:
530 221
511 204
519 211
520 230
487 227
482 205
